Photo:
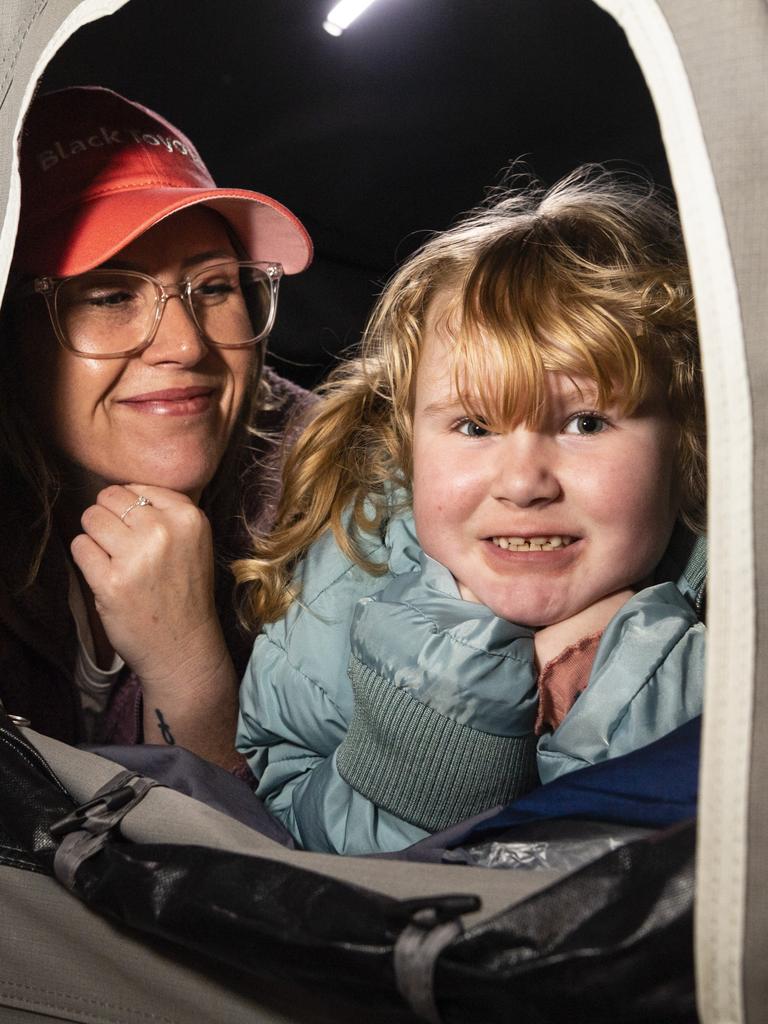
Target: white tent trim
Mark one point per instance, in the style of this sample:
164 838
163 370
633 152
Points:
726 749
88 10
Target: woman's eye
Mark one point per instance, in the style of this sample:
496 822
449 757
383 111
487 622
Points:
213 290
586 424
109 299
471 428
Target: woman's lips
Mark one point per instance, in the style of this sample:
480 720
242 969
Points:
190 401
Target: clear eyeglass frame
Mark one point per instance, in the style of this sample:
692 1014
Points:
49 288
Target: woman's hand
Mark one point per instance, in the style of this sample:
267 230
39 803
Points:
151 572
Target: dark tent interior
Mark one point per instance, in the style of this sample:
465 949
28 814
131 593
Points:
381 134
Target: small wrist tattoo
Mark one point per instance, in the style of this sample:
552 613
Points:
165 729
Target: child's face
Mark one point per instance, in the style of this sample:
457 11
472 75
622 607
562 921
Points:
599 489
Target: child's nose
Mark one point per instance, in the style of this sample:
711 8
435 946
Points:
526 471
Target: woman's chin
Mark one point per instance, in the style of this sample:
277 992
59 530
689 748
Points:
87 482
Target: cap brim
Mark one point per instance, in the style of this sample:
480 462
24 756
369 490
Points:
81 239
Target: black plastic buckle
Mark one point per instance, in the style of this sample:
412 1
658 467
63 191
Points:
75 820
429 911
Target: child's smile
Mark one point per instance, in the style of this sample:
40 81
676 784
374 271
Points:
540 524
539 543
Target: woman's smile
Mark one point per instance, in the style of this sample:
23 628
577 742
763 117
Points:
189 401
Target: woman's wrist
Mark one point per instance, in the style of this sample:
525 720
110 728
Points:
194 703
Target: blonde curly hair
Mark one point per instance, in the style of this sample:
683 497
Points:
588 278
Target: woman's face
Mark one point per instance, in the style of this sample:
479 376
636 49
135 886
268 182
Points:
161 417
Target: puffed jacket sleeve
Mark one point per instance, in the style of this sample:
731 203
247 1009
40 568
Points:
290 733
445 702
295 706
647 679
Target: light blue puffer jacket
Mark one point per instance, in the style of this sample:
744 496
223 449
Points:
380 709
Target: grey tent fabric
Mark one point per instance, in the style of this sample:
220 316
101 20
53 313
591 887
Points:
31 31
705 65
704 62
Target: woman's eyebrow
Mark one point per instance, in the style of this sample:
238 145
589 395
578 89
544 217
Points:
118 265
190 261
211 254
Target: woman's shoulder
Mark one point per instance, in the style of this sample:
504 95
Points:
287 401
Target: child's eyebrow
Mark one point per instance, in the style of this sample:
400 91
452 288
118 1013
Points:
587 392
440 408
448 406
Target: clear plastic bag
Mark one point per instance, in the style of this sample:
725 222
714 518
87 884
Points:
557 845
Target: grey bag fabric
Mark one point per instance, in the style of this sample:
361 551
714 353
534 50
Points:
68 961
62 961
170 817
611 941
180 770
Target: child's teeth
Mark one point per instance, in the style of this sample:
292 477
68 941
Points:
534 544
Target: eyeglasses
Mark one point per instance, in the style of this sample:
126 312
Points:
106 314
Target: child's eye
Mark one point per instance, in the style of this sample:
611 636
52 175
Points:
586 424
471 428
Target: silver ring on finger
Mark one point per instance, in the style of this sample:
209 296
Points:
140 502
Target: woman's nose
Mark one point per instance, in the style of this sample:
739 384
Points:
526 469
178 338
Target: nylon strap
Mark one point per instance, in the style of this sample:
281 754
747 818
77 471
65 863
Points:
87 829
416 951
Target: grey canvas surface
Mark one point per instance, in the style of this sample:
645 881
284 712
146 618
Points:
67 963
60 961
166 816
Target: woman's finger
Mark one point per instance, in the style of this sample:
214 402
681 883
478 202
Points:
123 503
91 559
125 500
105 528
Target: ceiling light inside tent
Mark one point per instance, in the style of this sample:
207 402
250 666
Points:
343 14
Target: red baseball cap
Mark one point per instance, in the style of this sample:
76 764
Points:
98 170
